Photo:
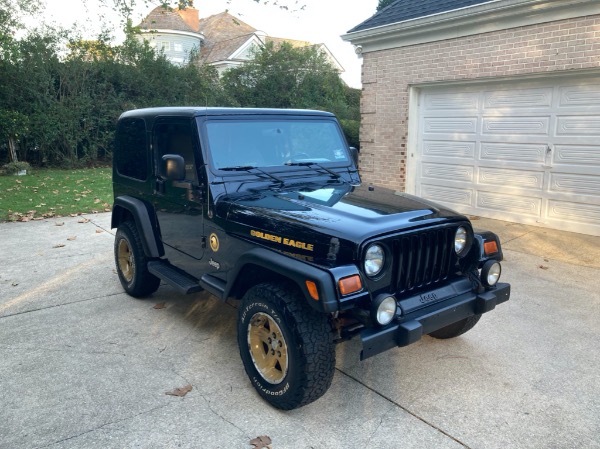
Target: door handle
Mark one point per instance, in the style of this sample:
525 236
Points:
548 156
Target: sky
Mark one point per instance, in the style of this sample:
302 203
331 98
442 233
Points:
321 21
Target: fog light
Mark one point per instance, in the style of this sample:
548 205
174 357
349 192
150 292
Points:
383 309
490 273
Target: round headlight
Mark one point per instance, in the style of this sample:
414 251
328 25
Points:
460 240
374 260
383 309
490 273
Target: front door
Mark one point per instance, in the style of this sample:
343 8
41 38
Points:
178 204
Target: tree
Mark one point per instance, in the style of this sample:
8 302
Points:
290 77
384 3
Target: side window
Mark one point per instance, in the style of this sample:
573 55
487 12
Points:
176 138
132 150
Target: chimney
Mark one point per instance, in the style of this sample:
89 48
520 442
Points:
191 17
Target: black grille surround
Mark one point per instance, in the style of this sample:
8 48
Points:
420 260
423 259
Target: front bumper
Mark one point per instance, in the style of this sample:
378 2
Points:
429 319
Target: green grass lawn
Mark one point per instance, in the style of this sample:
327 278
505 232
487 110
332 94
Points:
55 193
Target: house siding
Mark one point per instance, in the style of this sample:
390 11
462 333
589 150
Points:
188 44
387 75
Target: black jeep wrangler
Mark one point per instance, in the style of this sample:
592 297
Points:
266 206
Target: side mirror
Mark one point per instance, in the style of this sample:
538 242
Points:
354 154
172 167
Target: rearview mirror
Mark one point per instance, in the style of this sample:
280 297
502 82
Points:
172 167
354 154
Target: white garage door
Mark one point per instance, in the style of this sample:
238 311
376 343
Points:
524 152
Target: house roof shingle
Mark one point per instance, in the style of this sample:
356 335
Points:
403 10
161 18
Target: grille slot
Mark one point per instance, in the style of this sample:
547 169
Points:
424 258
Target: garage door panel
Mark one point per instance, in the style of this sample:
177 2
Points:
538 126
446 101
578 126
448 172
518 98
513 152
510 177
580 96
574 212
580 155
527 150
509 203
447 195
466 125
449 149
576 184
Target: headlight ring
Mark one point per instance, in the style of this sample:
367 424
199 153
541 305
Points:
462 240
374 260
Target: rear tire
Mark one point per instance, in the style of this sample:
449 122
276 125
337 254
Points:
456 329
286 346
132 263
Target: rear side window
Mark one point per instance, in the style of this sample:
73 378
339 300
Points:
132 150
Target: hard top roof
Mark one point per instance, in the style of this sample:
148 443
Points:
190 111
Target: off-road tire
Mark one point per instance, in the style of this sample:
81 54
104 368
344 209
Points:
307 340
456 329
132 263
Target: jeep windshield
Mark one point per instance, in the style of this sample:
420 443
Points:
244 144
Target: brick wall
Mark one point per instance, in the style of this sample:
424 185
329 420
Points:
550 47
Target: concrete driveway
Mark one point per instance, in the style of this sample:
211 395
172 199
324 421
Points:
82 365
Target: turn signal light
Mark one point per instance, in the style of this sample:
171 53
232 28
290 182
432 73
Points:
312 290
490 247
350 284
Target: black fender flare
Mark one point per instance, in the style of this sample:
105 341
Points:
145 221
295 270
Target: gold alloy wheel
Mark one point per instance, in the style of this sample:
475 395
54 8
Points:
268 348
125 257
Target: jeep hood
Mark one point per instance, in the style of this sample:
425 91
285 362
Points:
314 222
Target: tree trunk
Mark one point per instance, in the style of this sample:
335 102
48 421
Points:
12 149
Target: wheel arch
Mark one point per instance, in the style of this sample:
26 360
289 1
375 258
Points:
260 265
129 208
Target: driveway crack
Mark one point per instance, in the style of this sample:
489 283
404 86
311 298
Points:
423 420
104 425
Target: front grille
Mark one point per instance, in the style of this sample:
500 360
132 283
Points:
424 258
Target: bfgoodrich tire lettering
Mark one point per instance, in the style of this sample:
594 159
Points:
286 346
131 262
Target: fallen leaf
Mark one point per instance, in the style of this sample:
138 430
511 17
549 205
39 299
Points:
181 392
543 267
72 238
261 442
60 245
14 284
160 305
83 220
99 231
60 223
107 209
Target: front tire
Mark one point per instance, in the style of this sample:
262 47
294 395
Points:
286 347
456 329
132 263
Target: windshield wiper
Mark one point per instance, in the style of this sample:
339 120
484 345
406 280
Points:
314 164
248 169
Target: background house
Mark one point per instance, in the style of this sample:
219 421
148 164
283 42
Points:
221 40
492 107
